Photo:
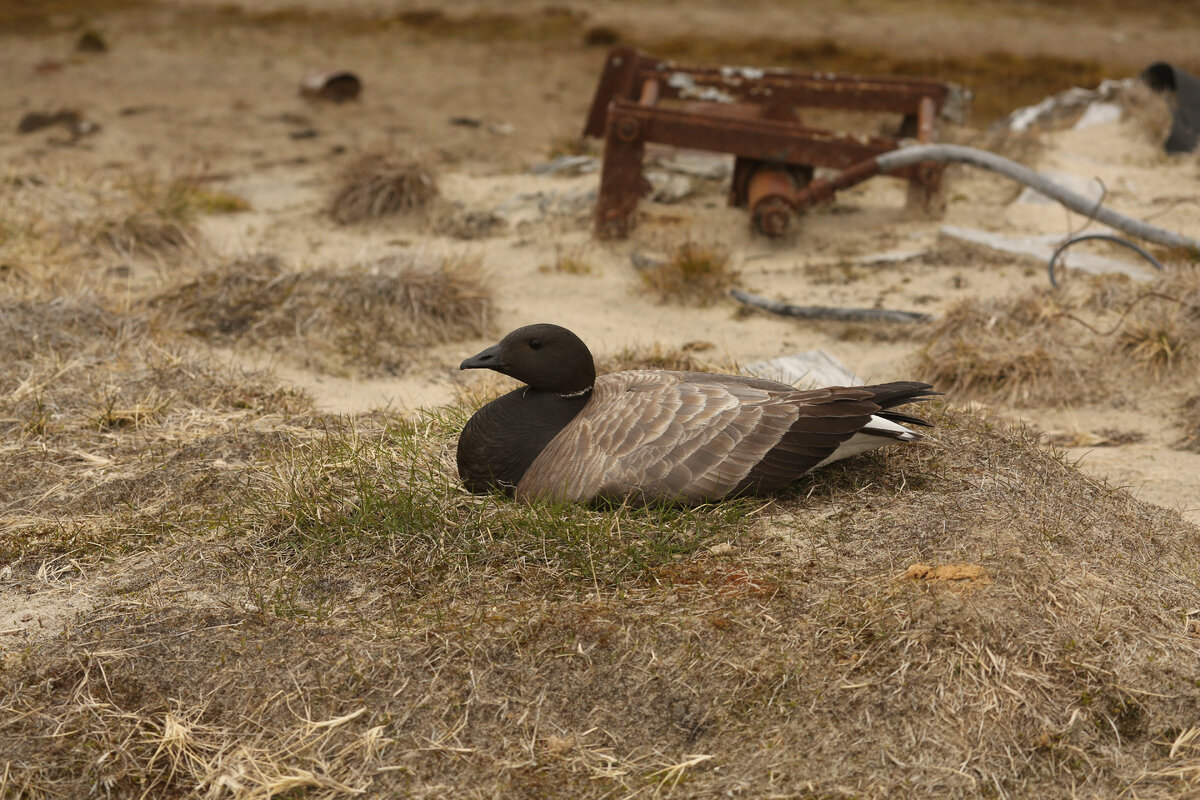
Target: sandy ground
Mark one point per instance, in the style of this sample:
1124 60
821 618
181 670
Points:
221 101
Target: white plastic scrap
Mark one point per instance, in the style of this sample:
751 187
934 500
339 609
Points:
686 84
1024 118
808 370
1042 247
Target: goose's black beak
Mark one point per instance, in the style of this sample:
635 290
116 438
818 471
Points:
486 359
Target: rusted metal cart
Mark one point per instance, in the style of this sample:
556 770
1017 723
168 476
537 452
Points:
750 113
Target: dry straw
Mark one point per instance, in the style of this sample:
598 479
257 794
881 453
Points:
366 318
1101 339
969 618
693 274
381 185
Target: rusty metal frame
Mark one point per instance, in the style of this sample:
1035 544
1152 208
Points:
749 113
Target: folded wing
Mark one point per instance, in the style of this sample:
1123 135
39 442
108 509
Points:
694 437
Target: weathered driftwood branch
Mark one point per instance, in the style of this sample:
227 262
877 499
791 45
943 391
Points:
829 312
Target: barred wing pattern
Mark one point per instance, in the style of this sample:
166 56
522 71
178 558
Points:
693 437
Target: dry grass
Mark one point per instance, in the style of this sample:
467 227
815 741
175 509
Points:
1190 416
262 601
159 216
550 23
1019 349
1159 340
694 273
963 619
365 319
1078 345
569 261
572 144
230 595
381 185
111 436
48 16
686 358
58 230
1150 110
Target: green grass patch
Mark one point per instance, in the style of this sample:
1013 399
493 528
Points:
392 497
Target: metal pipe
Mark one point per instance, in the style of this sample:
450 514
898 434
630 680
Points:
908 156
771 195
927 121
1102 237
821 189
649 95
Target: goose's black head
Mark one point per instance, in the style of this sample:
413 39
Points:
547 357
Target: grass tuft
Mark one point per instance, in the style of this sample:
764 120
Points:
571 145
1080 344
659 356
1158 341
570 261
364 319
693 274
380 185
1190 416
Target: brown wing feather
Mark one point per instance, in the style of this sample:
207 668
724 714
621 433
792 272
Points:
692 436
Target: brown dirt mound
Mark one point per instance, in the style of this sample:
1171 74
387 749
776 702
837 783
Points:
470 649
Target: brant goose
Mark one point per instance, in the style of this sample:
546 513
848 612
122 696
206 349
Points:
648 435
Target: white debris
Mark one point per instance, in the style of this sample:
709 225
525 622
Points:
666 187
808 370
735 75
711 166
1068 101
1041 248
1099 114
567 165
532 206
685 82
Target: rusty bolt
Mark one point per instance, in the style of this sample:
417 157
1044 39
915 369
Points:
628 130
771 216
771 195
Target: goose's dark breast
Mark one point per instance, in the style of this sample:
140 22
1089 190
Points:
504 437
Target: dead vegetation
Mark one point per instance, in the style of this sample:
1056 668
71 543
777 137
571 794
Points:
380 185
1191 424
111 436
49 16
363 319
1151 111
57 230
569 261
1077 345
158 216
656 355
269 602
953 619
694 273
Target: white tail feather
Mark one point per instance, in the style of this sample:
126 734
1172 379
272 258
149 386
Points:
879 432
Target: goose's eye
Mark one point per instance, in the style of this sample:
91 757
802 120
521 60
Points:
535 344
